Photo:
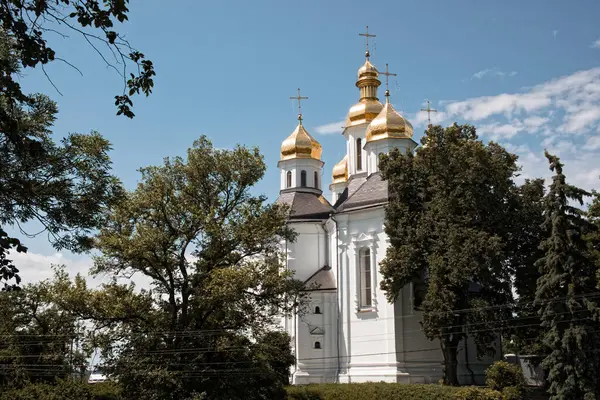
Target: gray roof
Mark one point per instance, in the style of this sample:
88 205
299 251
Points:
373 190
306 205
323 279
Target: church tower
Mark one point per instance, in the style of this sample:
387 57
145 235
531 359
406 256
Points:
300 163
361 114
388 131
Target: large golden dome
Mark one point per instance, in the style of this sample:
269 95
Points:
369 105
300 145
389 124
340 171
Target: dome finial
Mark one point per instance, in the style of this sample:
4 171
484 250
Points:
387 88
299 98
367 35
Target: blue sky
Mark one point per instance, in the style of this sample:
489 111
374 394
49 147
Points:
526 73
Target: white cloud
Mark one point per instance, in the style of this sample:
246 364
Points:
34 267
596 44
328 129
561 115
492 72
555 32
495 131
592 143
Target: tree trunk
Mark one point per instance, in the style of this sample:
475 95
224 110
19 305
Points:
450 350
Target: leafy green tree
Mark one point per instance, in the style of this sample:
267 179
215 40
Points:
210 250
566 294
38 340
593 237
66 187
449 223
28 23
527 236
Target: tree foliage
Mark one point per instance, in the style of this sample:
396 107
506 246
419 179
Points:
209 250
66 187
29 23
449 223
526 336
38 339
566 294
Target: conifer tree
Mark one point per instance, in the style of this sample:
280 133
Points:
566 294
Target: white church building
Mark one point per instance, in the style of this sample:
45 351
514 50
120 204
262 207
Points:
350 332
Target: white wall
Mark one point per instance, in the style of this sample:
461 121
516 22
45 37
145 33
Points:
373 149
296 165
351 134
306 255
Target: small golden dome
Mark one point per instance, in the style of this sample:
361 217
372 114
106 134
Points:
389 124
340 171
363 112
367 69
300 145
369 105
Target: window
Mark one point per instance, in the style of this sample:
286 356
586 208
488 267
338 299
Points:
365 277
317 310
288 179
358 154
316 180
303 178
317 345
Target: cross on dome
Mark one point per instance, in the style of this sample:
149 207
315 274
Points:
299 98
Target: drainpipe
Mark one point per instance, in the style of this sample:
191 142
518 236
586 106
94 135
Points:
337 295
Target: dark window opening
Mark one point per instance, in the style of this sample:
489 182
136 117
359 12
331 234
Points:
289 179
358 154
303 178
316 180
317 310
317 345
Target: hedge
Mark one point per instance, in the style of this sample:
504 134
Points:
63 390
371 391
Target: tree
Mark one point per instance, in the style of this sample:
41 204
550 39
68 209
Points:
38 339
527 236
593 237
65 187
566 294
448 220
210 250
29 22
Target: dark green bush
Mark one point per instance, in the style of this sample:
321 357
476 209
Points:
475 393
64 390
513 393
371 391
502 374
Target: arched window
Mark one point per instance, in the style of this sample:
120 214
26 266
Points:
365 277
303 178
358 154
288 179
317 345
317 310
316 180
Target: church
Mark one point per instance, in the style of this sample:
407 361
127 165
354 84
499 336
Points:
349 332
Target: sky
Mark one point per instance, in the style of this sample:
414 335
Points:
526 74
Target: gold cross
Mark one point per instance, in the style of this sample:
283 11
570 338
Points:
367 35
387 75
429 111
299 98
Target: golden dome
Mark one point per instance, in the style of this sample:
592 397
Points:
340 171
367 69
369 105
389 124
300 145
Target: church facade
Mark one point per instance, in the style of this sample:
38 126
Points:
349 331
